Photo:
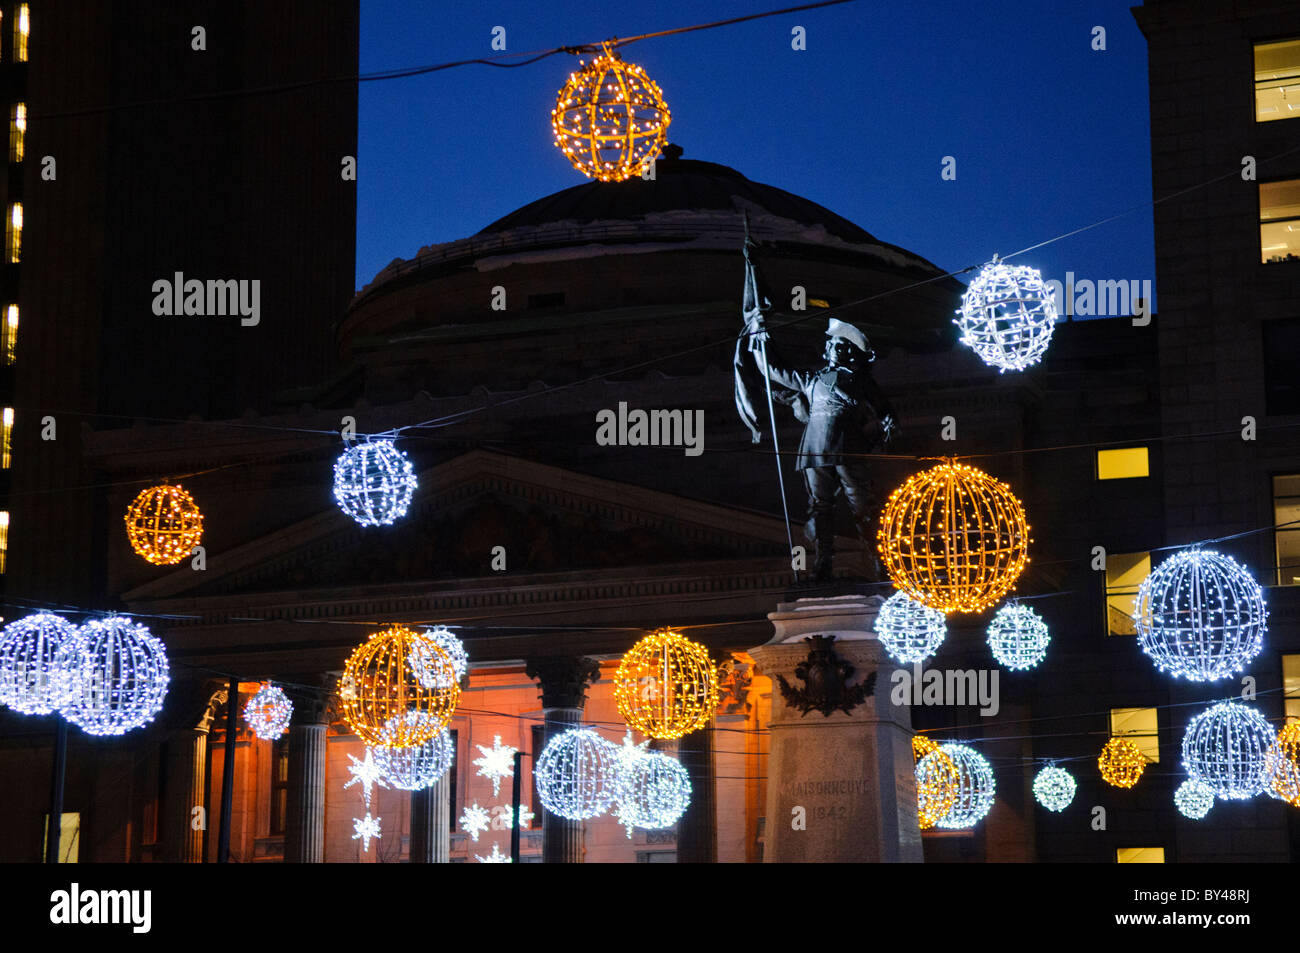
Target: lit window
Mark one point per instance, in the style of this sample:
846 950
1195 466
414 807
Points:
1286 509
22 27
1140 855
1124 573
279 784
1139 726
6 438
1277 80
1279 220
4 538
69 837
9 333
1123 464
17 131
1291 686
14 233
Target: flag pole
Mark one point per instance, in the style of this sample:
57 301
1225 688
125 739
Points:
751 276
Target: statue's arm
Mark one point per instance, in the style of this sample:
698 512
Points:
777 369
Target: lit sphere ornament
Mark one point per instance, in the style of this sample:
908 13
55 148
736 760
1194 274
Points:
666 686
451 646
414 767
1193 799
374 483
268 712
610 119
1018 637
394 672
1224 748
974 788
1200 615
575 775
954 538
1282 765
1121 763
117 676
1054 788
164 524
30 679
937 782
1007 316
909 631
652 790
923 745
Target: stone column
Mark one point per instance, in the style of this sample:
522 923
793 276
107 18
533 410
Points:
185 764
840 786
304 821
697 830
431 824
563 683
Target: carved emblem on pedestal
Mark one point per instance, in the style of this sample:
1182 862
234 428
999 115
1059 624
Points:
825 676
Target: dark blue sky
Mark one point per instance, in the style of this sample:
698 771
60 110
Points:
1048 134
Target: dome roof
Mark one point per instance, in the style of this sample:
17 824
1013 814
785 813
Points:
678 184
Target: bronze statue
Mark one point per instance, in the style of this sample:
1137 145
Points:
845 416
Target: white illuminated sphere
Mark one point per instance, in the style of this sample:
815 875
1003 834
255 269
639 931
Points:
30 680
416 766
432 672
1018 637
575 774
1225 748
1200 615
909 631
1054 788
268 712
652 789
1007 316
374 482
117 675
974 788
1193 799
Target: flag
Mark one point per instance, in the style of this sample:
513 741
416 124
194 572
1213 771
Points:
748 379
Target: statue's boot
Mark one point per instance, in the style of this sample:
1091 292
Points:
823 550
872 566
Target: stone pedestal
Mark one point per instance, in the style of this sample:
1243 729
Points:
840 787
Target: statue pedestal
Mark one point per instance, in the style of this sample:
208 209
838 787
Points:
840 787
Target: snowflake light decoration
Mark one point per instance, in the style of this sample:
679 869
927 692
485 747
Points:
474 820
268 712
525 818
1121 763
429 668
575 774
414 767
908 630
1018 637
1282 765
374 483
496 857
117 676
1200 615
974 789
1225 747
496 763
367 774
163 524
1193 799
366 828
1054 788
1007 316
31 681
652 789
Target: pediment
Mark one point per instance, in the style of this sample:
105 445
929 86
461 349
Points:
549 519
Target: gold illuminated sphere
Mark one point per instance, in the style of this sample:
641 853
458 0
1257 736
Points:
164 524
936 782
399 688
610 119
954 538
1121 763
1282 764
666 686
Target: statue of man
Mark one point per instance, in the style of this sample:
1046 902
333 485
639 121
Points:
845 415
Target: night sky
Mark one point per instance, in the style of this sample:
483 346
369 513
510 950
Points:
1048 134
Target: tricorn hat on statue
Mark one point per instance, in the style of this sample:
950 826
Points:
842 329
